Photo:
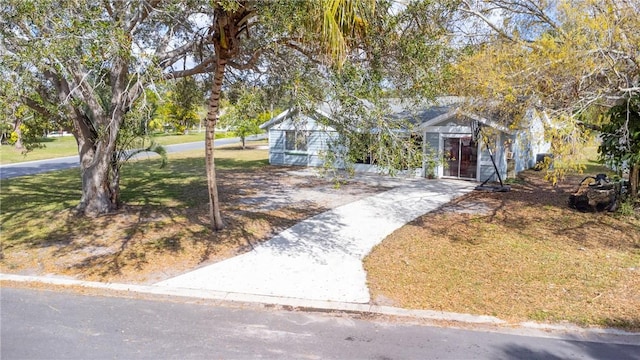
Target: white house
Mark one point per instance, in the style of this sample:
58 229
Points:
444 127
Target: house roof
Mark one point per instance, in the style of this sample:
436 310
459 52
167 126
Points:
418 113
323 109
459 113
421 114
277 119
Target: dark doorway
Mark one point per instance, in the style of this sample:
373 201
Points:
462 157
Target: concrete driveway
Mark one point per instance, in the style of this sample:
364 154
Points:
321 258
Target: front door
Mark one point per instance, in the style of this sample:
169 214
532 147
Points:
462 157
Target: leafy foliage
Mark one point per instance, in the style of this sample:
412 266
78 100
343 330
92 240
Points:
620 145
564 58
245 115
183 103
621 135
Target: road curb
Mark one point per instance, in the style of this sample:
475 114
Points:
488 323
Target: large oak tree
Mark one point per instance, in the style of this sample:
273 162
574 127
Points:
87 63
90 61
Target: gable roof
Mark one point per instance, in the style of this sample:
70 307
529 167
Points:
418 113
323 110
421 115
458 113
277 119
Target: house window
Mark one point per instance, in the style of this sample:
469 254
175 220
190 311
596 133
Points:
296 140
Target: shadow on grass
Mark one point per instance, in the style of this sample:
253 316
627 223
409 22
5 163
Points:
165 214
535 210
135 252
32 197
129 249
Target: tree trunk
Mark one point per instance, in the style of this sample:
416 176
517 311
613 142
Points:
100 185
634 179
243 142
95 129
115 180
225 37
212 119
97 194
16 128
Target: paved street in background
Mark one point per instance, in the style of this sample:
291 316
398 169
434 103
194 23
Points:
40 166
39 324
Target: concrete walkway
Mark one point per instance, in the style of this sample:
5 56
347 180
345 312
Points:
321 258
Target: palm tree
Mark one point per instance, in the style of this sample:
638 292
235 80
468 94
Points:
337 21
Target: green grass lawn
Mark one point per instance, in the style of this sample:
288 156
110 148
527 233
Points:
163 207
29 197
66 146
53 147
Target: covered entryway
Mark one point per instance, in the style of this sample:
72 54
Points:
462 157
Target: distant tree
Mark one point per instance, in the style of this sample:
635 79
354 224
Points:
245 115
184 100
22 127
25 128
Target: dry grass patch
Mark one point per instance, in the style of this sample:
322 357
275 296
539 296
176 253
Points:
527 257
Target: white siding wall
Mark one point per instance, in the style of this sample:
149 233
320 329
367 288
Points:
487 170
526 145
530 142
276 147
317 142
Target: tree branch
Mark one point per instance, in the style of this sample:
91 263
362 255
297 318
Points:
108 7
467 9
206 65
35 106
174 55
141 14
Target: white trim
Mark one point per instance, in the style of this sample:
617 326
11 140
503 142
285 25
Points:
277 119
489 123
457 129
437 119
429 125
322 113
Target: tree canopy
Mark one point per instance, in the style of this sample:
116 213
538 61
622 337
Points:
89 66
571 60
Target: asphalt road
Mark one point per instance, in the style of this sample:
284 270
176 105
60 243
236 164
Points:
40 166
38 324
